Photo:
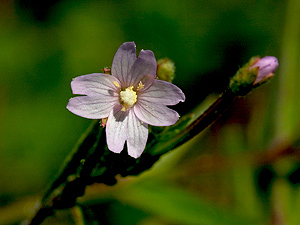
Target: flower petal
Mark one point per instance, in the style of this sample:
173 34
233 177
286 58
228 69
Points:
117 129
123 61
95 84
137 135
154 114
92 107
143 69
267 66
162 92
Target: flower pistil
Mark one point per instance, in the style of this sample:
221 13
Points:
128 98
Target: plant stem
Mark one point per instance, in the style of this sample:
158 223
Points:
184 134
287 103
72 180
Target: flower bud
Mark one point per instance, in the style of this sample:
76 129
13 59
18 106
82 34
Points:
165 69
254 73
267 66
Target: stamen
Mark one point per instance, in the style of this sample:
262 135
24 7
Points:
128 98
116 83
141 86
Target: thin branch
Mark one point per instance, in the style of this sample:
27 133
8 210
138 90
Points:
72 180
178 135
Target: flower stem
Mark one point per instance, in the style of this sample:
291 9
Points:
178 134
287 103
73 178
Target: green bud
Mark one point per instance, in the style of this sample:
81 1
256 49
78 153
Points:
242 82
165 69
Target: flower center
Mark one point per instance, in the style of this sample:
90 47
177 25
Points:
128 98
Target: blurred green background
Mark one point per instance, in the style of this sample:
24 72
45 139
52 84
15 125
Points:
245 169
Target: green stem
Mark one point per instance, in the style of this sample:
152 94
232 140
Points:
72 180
287 112
178 136
74 159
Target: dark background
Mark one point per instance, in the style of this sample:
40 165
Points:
210 180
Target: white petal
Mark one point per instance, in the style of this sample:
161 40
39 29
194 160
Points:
155 114
92 107
137 135
123 61
95 84
143 69
117 129
162 92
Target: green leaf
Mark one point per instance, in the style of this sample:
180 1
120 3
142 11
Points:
245 194
176 205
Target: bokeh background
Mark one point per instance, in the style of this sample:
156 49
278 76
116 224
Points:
244 169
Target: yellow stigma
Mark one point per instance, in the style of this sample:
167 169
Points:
128 98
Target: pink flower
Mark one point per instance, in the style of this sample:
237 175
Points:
267 66
131 98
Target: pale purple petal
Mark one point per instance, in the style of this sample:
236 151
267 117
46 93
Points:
92 107
137 135
267 66
95 84
102 99
155 114
123 61
144 69
117 129
162 92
